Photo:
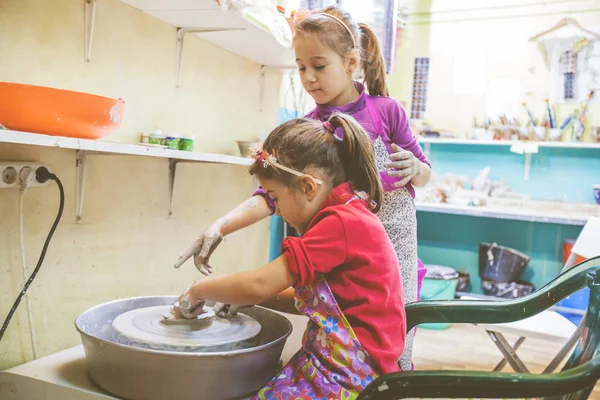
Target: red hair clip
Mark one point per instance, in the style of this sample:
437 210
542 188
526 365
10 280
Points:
262 156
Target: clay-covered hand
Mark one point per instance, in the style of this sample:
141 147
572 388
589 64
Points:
203 248
187 306
403 164
224 309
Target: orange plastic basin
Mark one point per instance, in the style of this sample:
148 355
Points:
39 109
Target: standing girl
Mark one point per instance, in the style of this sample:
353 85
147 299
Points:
324 182
329 47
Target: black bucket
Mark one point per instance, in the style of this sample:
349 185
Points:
501 264
507 290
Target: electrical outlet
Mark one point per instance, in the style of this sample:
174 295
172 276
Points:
13 173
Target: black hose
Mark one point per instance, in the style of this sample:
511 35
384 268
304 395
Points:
42 175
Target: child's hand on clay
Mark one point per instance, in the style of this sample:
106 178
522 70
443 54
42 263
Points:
188 306
223 309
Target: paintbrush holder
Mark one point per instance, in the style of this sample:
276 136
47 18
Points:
539 133
523 133
595 134
508 133
554 135
478 133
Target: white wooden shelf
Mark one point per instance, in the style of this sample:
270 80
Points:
529 215
36 139
85 148
205 19
527 148
225 29
566 145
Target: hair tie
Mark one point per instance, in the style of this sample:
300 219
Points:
337 132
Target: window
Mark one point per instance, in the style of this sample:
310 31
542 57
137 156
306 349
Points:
569 86
568 69
419 94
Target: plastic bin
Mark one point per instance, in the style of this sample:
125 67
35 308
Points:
439 284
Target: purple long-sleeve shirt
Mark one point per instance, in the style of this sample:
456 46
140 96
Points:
393 127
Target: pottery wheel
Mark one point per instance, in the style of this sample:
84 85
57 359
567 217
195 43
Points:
147 327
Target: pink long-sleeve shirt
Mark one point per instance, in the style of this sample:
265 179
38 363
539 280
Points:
390 122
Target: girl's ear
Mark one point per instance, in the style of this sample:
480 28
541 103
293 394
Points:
352 62
308 186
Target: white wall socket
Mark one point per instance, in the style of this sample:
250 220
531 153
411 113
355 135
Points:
12 173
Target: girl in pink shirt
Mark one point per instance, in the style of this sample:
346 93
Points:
344 269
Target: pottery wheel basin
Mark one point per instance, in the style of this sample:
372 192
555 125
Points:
133 353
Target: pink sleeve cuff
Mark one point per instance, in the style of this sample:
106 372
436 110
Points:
262 192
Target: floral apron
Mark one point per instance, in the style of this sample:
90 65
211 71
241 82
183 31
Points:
332 364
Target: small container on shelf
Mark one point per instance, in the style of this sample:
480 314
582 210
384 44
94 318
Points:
186 143
496 132
156 137
539 133
595 134
523 133
246 146
172 141
145 138
508 133
554 135
479 134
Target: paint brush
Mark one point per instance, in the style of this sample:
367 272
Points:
549 114
567 122
583 115
529 114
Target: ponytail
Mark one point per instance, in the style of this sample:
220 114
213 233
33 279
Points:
373 63
358 157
